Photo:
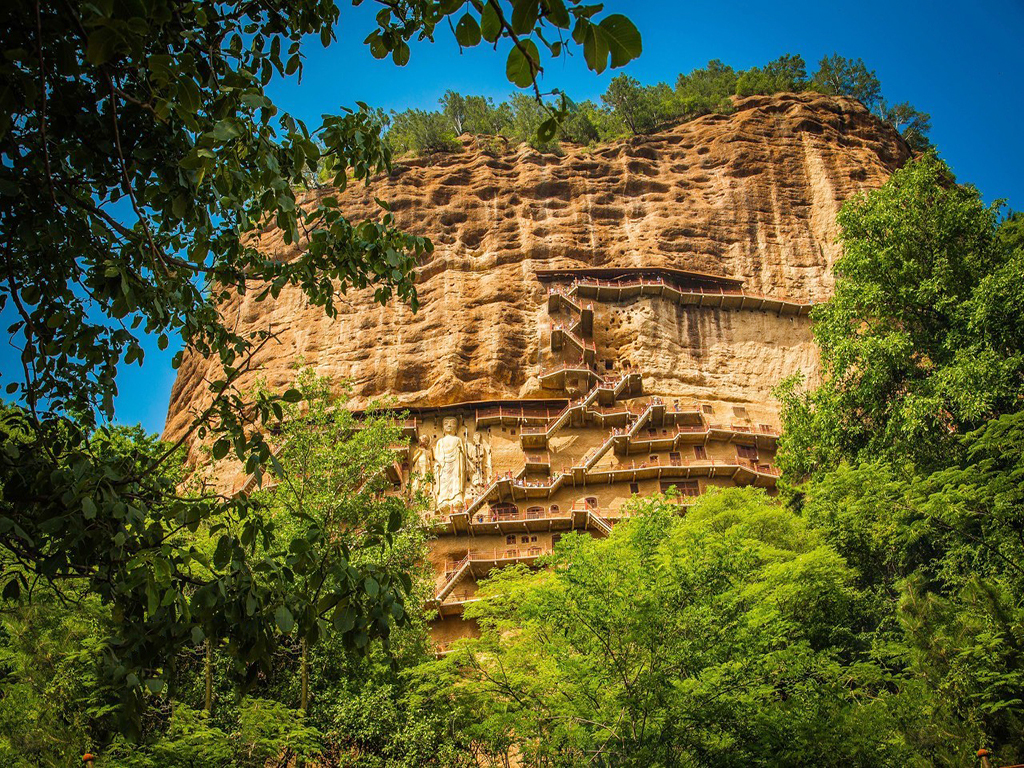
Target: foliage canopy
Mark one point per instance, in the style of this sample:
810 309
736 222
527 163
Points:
630 108
140 158
908 457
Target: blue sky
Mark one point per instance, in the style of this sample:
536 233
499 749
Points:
961 62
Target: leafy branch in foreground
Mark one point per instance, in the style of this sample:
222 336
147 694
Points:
140 161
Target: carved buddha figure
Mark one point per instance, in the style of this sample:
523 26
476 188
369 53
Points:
422 465
450 468
479 463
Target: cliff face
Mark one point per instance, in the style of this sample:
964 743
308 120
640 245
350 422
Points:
752 195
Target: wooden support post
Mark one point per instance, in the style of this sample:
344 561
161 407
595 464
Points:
984 755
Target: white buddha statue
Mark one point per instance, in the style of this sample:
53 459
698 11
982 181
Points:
450 468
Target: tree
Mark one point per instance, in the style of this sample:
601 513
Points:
706 90
848 77
637 106
723 637
415 131
350 534
585 124
788 73
912 351
139 155
527 117
476 115
453 106
907 457
912 124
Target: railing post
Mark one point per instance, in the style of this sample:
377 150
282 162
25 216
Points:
984 755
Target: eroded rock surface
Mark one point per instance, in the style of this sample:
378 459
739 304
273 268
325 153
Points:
751 195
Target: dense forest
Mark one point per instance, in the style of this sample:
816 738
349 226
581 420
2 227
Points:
629 108
871 616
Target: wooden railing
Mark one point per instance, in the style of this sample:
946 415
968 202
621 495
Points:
501 412
503 517
694 290
501 553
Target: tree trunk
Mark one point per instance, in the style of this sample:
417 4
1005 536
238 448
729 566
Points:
208 673
304 703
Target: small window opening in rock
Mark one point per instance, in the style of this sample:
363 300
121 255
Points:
700 452
634 488
739 412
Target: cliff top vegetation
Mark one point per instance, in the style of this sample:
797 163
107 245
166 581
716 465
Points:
629 108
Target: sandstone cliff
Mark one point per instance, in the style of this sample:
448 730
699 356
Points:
751 195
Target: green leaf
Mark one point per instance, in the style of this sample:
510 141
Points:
285 620
400 55
88 508
520 69
371 586
292 396
467 31
220 448
524 16
395 520
558 14
101 45
490 24
344 619
188 95
378 49
225 130
546 131
595 49
622 39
